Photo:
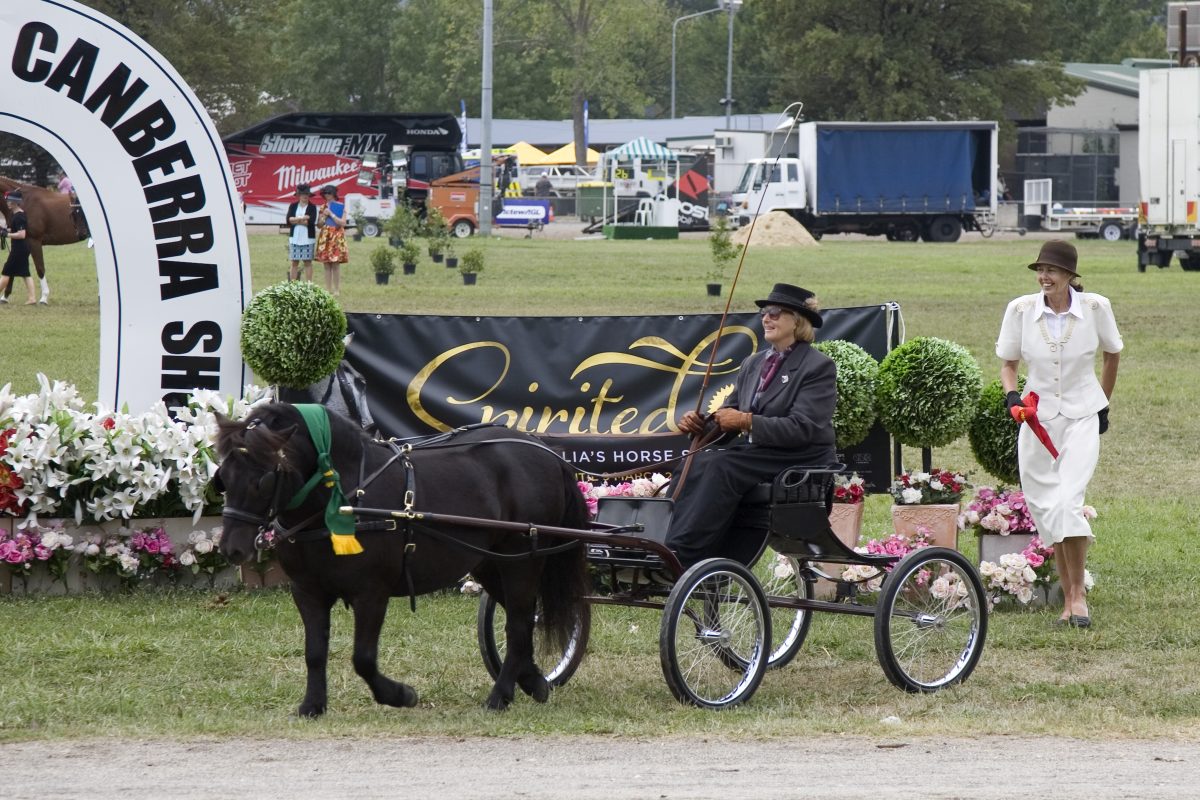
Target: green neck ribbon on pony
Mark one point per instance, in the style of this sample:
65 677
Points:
341 526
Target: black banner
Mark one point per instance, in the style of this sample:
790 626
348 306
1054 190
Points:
604 391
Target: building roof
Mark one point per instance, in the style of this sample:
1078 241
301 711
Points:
604 134
1120 78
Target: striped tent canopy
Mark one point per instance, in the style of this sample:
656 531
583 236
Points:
644 149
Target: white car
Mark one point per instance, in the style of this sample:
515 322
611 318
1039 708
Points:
563 178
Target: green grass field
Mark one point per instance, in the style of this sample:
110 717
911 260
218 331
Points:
182 664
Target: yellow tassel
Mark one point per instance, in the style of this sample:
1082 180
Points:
345 544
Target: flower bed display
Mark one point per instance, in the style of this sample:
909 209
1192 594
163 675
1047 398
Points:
97 499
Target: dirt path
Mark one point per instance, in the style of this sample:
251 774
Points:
605 768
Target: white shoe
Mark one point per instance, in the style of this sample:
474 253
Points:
3 301
43 301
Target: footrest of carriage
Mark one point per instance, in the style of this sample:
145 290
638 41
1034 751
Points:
621 557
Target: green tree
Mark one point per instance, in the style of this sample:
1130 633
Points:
216 45
919 59
1105 31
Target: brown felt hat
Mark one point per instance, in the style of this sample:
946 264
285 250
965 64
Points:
1057 253
793 297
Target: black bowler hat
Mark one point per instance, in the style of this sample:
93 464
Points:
14 196
303 188
793 297
1057 253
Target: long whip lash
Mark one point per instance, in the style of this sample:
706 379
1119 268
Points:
698 441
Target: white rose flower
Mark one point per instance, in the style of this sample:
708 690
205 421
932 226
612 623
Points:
186 558
936 485
910 496
204 546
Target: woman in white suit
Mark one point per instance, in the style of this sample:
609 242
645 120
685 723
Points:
1056 332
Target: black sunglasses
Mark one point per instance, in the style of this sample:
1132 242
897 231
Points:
773 312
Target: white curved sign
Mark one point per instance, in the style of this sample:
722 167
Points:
151 175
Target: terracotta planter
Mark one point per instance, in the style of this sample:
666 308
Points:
846 520
940 519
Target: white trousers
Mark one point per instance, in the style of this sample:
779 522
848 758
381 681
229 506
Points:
1054 488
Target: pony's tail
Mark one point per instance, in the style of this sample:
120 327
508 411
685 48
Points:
564 576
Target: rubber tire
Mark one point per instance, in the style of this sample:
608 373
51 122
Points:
733 674
944 229
1110 231
462 229
895 605
789 626
371 229
906 232
1189 263
489 631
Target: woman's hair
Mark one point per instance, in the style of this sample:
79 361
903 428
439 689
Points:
804 329
1076 284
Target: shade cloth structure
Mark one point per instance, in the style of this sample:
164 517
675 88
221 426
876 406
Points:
642 148
566 155
527 154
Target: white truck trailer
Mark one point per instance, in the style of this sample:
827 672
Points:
1169 162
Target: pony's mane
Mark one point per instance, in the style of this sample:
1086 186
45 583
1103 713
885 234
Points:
251 440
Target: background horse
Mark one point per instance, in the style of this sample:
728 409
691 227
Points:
265 460
52 219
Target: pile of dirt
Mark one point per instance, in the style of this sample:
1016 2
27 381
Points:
777 228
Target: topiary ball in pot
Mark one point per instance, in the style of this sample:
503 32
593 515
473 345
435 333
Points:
927 391
292 334
993 434
856 374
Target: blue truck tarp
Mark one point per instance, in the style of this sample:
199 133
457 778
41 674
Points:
894 171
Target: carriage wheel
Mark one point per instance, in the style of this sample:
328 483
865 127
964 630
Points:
931 621
489 630
714 633
780 576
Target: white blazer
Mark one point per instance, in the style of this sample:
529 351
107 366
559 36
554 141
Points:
1062 371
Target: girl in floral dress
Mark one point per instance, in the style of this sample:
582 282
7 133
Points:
331 242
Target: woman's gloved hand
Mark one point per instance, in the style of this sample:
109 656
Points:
1012 399
1103 415
692 423
731 420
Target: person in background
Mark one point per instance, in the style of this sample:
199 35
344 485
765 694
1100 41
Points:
779 415
331 242
302 219
1056 331
543 187
64 183
17 264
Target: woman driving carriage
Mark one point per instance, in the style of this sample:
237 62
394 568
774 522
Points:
780 414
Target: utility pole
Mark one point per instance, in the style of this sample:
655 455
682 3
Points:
729 6
486 178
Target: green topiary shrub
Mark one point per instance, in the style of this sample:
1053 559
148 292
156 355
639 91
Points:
292 334
927 391
993 434
856 374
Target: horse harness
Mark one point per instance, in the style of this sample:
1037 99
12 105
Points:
305 531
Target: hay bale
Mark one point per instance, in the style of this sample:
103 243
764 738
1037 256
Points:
776 229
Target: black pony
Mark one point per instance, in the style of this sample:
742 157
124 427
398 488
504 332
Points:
490 472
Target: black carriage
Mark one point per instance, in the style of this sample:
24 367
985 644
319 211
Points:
723 626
